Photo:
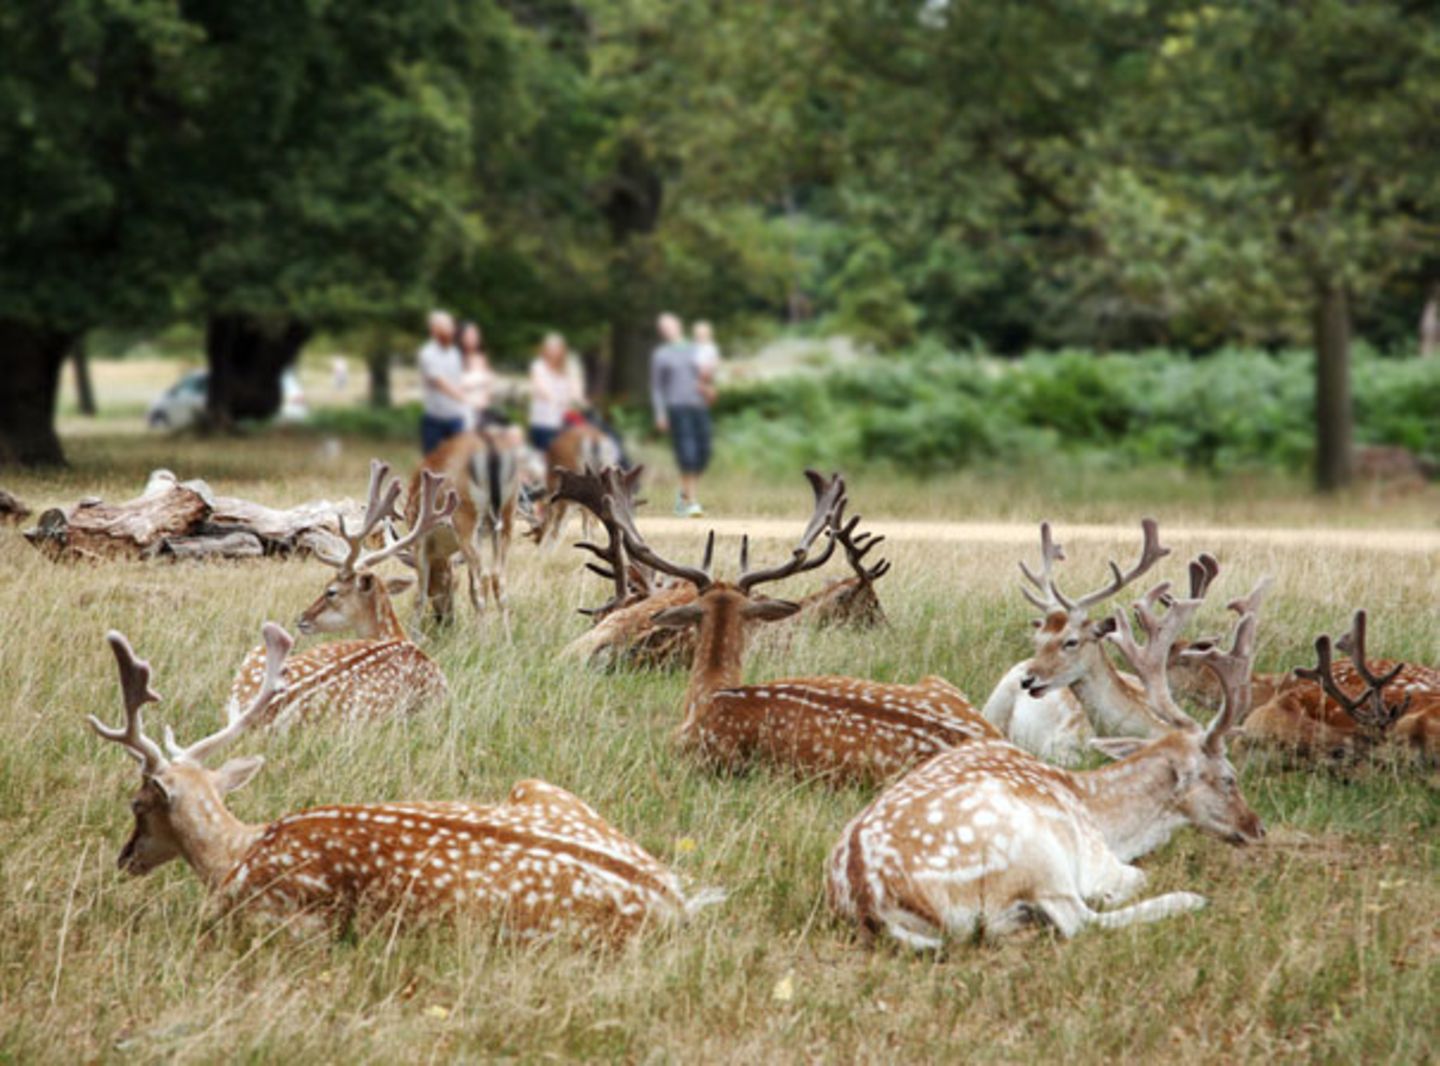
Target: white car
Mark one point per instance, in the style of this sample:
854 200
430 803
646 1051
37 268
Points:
183 403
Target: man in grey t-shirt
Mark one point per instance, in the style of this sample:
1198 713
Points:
441 369
680 410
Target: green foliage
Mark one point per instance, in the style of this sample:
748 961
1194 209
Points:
929 410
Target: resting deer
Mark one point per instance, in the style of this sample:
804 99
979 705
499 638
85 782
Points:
382 672
851 601
843 728
485 476
985 837
1052 703
578 449
542 862
1340 709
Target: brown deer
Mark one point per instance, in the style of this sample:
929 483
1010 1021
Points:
1068 691
851 601
541 863
1348 708
842 728
986 837
382 672
484 473
578 449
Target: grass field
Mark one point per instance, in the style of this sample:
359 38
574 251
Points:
1322 943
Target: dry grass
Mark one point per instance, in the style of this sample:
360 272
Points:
1322 943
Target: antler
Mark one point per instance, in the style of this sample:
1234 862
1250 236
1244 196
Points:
432 513
829 502
589 490
380 500
1369 709
1150 660
1050 553
136 691
858 546
277 646
1151 552
616 510
1234 670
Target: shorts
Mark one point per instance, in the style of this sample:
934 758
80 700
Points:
541 437
436 431
690 437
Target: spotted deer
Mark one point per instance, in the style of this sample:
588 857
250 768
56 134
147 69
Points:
1052 703
1341 709
986 837
578 449
484 474
841 728
381 672
851 601
541 863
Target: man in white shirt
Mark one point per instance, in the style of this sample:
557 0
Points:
441 371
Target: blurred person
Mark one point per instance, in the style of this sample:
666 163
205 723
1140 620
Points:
339 374
707 354
557 392
680 410
477 380
441 370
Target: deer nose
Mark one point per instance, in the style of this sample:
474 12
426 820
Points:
1027 682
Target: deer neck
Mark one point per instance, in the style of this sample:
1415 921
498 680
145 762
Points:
1112 703
212 839
381 619
719 657
1133 801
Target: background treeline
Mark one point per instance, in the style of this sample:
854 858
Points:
1107 174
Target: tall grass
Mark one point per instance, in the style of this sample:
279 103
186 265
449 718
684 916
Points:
1320 943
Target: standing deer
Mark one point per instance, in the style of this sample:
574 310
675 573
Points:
987 837
382 672
843 728
579 449
485 476
543 862
1350 707
1053 702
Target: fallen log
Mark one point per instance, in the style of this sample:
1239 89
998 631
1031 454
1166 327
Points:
11 509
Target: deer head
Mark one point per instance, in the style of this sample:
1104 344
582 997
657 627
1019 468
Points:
356 599
179 808
1068 644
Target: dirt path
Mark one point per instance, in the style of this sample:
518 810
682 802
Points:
1386 540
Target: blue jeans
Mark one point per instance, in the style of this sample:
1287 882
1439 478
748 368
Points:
690 437
541 437
436 431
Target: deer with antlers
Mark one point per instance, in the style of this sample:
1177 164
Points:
484 475
986 837
382 672
851 601
1345 708
543 862
841 728
1069 690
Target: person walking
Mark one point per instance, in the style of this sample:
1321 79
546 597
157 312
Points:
557 391
679 406
445 410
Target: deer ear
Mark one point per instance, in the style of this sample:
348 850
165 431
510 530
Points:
396 585
236 773
366 583
1117 747
687 614
768 610
1105 626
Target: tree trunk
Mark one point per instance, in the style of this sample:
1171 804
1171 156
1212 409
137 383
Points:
632 210
379 364
84 389
246 357
1333 415
33 357
1430 325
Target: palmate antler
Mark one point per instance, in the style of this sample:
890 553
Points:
1369 709
1051 597
1234 670
829 502
380 510
616 511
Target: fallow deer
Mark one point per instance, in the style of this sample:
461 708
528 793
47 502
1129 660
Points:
841 728
1347 708
851 601
578 449
986 837
382 672
1052 703
484 473
541 863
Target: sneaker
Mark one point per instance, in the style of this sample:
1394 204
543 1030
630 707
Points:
694 510
682 506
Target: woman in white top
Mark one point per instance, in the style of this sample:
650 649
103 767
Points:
557 388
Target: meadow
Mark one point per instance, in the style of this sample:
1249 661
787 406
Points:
1320 943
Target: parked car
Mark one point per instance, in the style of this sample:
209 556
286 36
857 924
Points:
183 403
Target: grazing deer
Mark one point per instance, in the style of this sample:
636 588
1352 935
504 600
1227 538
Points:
1343 709
985 837
1052 703
485 476
382 672
843 728
542 862
578 449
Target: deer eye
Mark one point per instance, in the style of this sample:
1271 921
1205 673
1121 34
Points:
332 592
1072 643
137 808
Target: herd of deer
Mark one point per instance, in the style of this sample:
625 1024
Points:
979 824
